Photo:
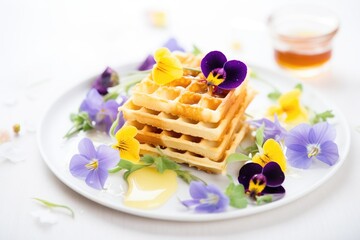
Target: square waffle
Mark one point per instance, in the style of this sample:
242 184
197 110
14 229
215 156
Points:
169 122
213 150
196 160
185 97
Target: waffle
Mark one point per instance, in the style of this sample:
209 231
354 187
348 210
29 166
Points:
162 120
186 97
196 160
213 150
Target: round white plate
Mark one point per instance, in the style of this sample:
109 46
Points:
57 152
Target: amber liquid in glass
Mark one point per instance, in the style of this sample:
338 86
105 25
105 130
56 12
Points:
300 61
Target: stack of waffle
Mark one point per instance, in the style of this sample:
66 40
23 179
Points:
189 123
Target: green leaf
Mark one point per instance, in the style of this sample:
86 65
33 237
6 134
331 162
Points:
253 149
259 136
196 51
322 117
299 86
110 95
148 159
237 196
263 199
187 177
237 157
274 95
55 205
81 122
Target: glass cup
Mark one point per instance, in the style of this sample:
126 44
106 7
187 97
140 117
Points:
302 38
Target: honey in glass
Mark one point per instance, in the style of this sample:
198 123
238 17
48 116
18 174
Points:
302 38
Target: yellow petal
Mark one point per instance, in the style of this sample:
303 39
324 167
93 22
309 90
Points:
274 152
131 150
290 100
127 145
161 53
167 67
126 132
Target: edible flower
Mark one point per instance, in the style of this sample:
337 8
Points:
127 145
222 73
167 67
109 78
206 198
271 151
258 180
93 164
306 143
272 129
102 112
289 108
149 62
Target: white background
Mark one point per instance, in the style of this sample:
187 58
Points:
48 46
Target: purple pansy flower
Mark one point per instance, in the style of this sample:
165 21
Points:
103 113
149 62
222 73
306 143
206 198
259 181
93 164
271 129
108 78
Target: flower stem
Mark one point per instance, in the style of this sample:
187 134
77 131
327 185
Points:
192 69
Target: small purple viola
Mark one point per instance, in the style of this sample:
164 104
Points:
92 164
222 73
149 62
306 143
206 198
272 130
101 112
258 181
108 78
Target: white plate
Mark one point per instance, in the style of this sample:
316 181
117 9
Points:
57 153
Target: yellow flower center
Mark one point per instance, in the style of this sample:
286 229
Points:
93 165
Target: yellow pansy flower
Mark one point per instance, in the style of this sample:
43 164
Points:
271 152
167 67
127 145
289 108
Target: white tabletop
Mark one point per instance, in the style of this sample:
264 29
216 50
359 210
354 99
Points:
46 47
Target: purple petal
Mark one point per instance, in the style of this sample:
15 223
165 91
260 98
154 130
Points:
92 103
210 208
235 74
147 64
297 157
198 190
191 202
274 175
298 135
108 78
247 172
271 129
211 61
329 153
106 116
173 45
107 157
275 190
97 178
323 132
86 148
77 166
